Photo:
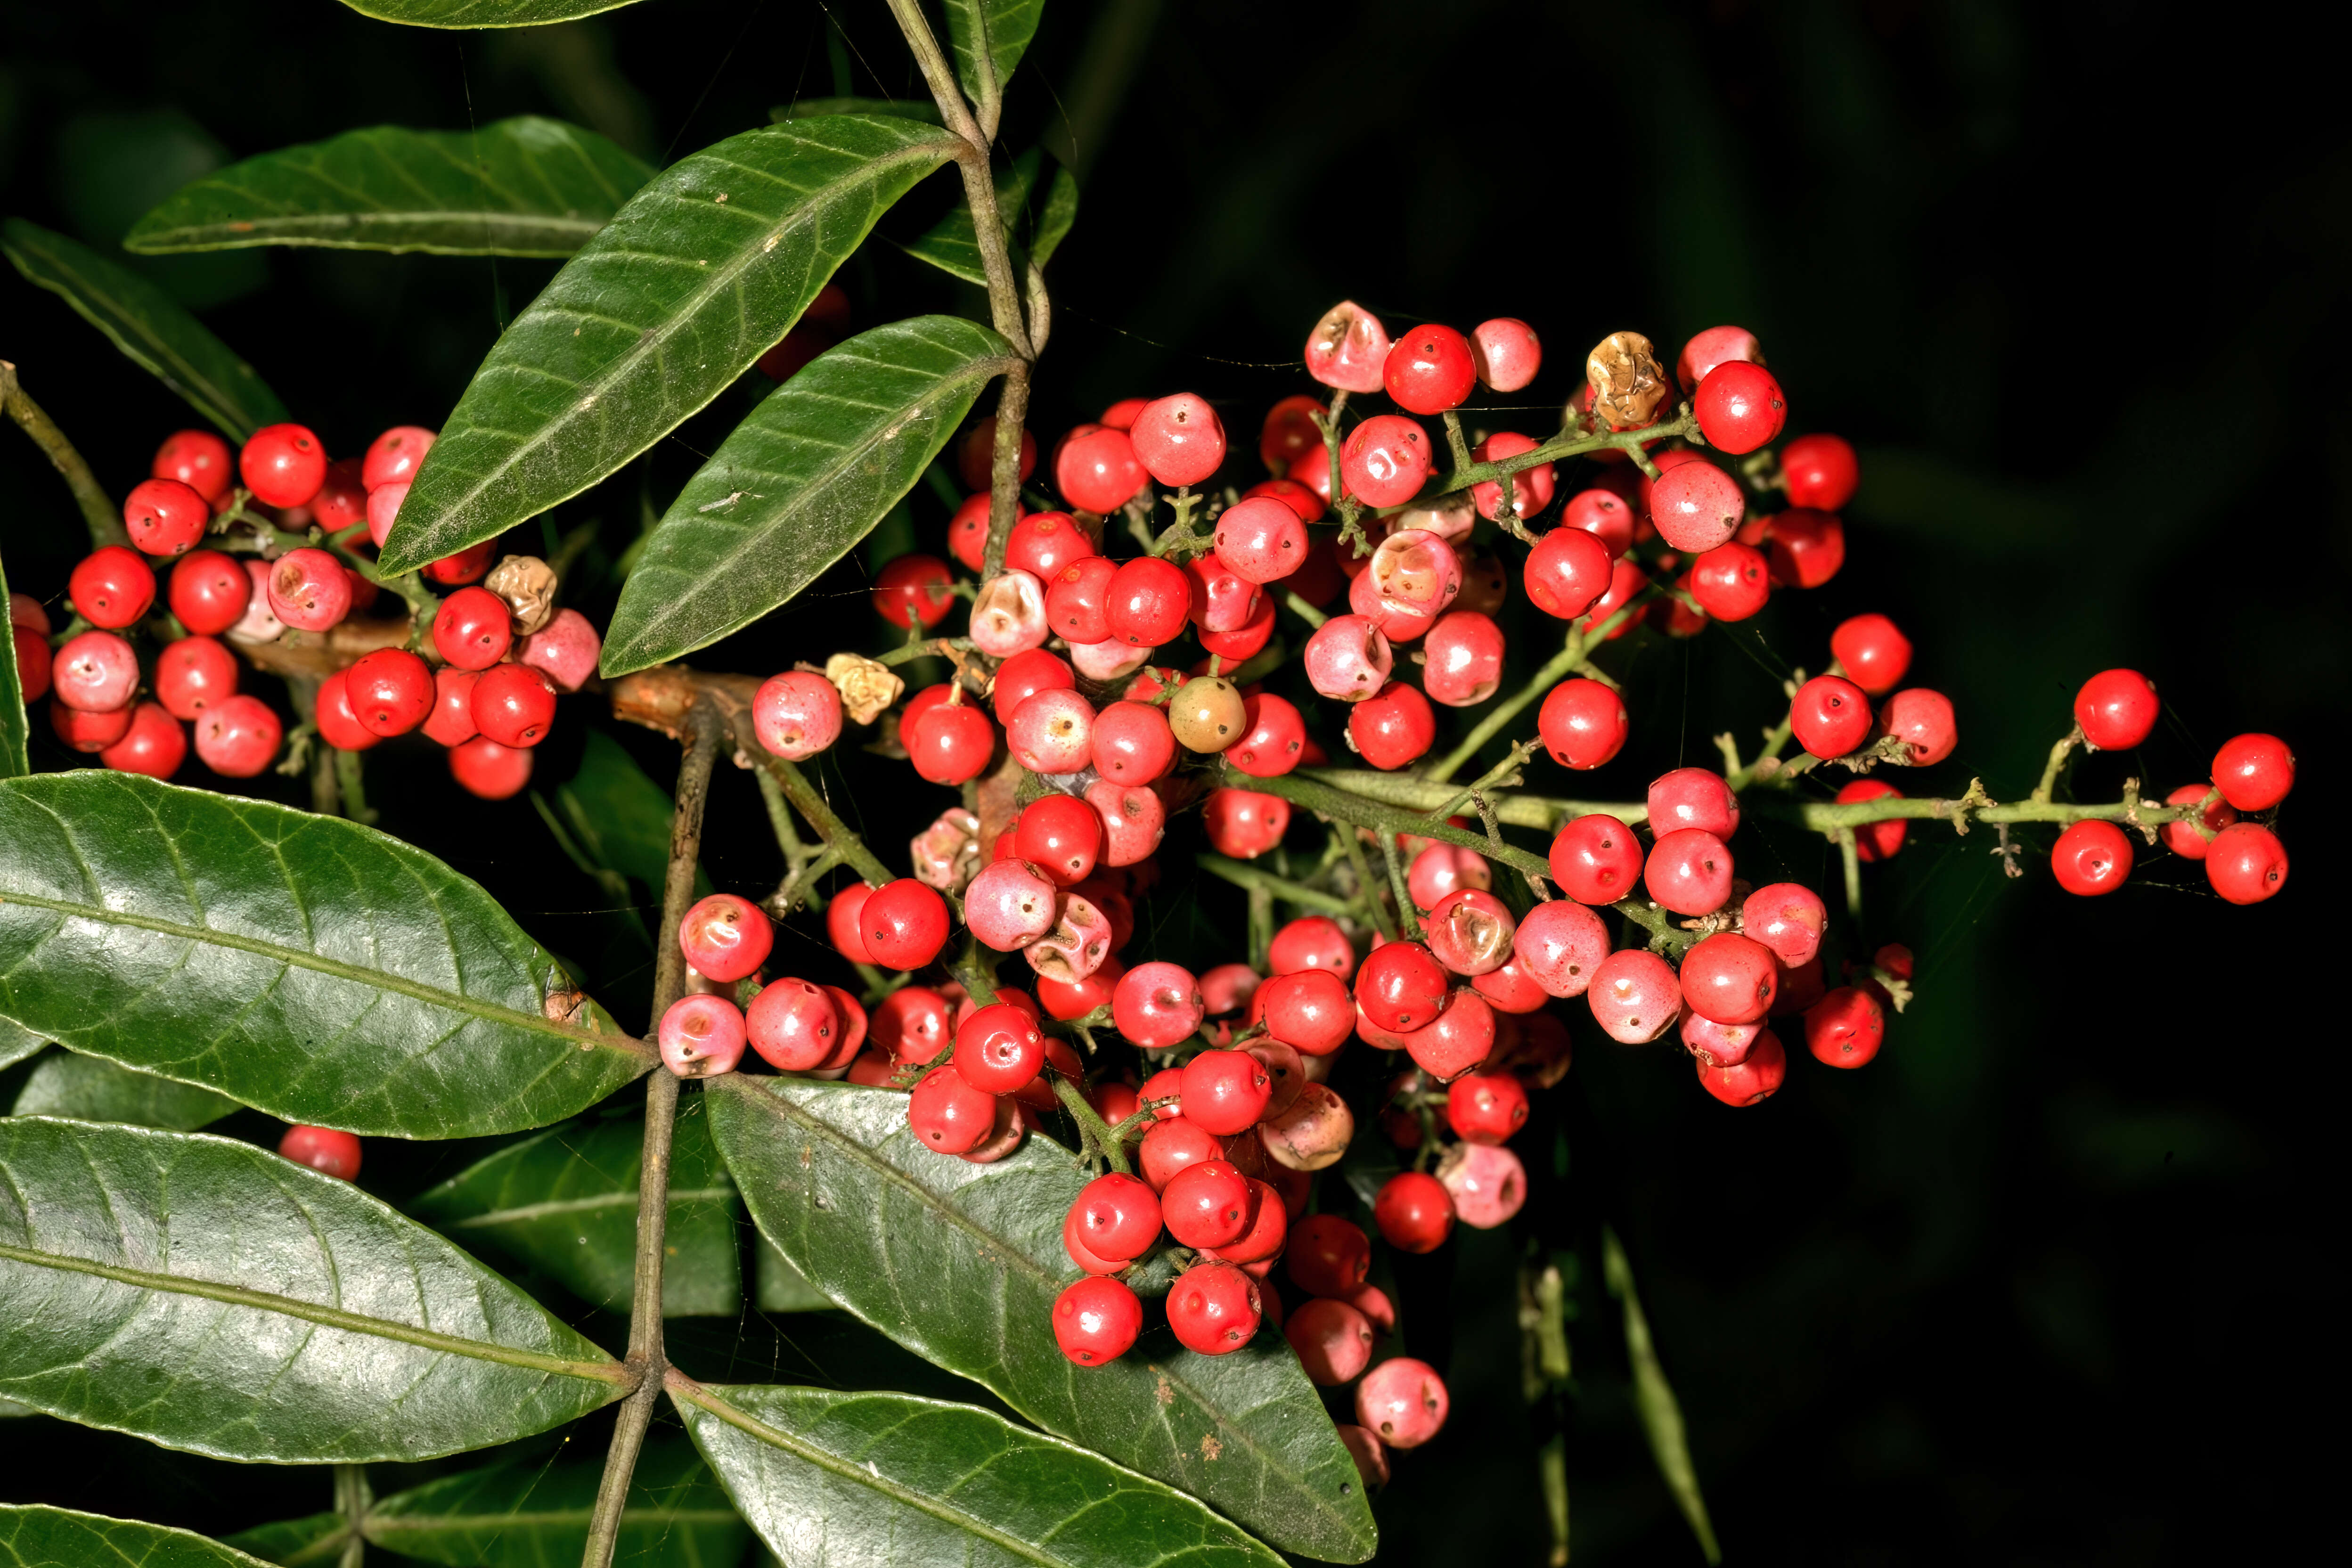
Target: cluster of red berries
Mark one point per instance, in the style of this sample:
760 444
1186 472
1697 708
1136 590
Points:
503 657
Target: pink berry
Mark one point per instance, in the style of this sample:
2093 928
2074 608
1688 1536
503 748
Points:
1559 945
1052 732
1133 818
1403 1401
393 457
796 715
1696 507
1261 539
725 938
1348 658
1443 868
1010 904
1788 918
1217 600
1531 488
701 1035
1384 460
96 672
794 1025
1008 614
238 737
1156 1005
1689 871
1507 354
308 590
1415 570
1470 931
1711 348
1634 997
1348 349
1179 439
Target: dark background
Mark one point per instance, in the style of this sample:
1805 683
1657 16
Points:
2044 1283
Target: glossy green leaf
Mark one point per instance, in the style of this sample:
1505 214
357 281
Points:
1036 221
618 816
159 336
961 1263
89 1089
482 13
701 272
18 1042
887 1478
781 1288
14 762
566 1203
58 1538
818 108
989 38
525 187
523 1515
303 964
207 1295
799 483
1653 1396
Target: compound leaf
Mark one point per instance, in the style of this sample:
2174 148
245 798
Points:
306 965
41 1537
207 1295
885 1478
799 483
699 273
961 1263
525 187
89 1089
145 323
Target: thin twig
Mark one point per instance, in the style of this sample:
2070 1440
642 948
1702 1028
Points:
97 510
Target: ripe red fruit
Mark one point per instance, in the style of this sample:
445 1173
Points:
1275 737
1001 1049
976 456
1414 1211
1603 514
1095 1321
1596 859
323 1148
1224 1092
1788 918
1821 472
1348 658
1583 724
342 502
33 661
1207 1203
700 1036
1042 542
1214 1307
2092 857
451 723
1715 346
1348 349
383 510
1697 506
96 672
1052 731
1845 1028
1692 798
1290 434
1567 571
1384 460
483 768
1874 840
154 744
1753 1078
2246 863
1922 721
914 589
112 586
904 924
1634 997
1740 406
238 737
948 742
198 459
1507 354
1731 582
391 690
209 591
1096 470
2253 773
1179 439
1243 824
1486 1108
1456 1040
338 724
1133 820
1261 539
947 1114
968 531
1400 986
725 938
1117 1216
914 1024
1311 941
1830 716
473 628
393 457
513 705
79 730
1429 370
1328 1256
165 517
795 1025
1332 1340
1469 931
282 464
1729 978
1806 548
2182 836
1394 727
1172 1146
1061 834
1308 1010
2116 710
467 565
1148 601
1559 945
1626 579
1158 1006
308 590
1874 654
1465 650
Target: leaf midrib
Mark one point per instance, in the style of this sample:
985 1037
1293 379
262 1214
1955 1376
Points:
610 1372
525 1213
1013 1255
485 216
297 958
377 1526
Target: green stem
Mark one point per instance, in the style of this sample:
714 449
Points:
1408 917
1829 816
1505 772
1424 795
1303 610
1342 806
350 778
2067 743
1629 442
1242 874
1092 1133
1776 738
354 1498
1580 641
98 512
1850 856
1369 896
819 815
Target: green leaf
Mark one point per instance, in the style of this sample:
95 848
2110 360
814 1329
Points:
885 1479
482 13
14 732
58 1538
781 1287
799 483
961 1263
818 108
619 816
159 336
306 965
525 187
566 1203
1653 1396
207 1295
1055 218
701 273
522 1515
951 245
18 1042
990 37
91 1089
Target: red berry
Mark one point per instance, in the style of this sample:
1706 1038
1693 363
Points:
976 457
1332 1340
1872 652
1740 406
1753 1078
1095 1321
1001 1049
1567 571
1830 716
1634 997
1696 507
947 1113
2253 773
323 1148
968 531
2116 709
1243 824
1009 904
1456 1040
1505 352
483 768
1429 370
1788 918
1096 470
914 1024
1042 542
467 565
1713 347
1806 548
1583 724
1289 435
796 1027
1179 440
904 924
1692 798
796 714
1052 731
1261 539
198 459
2092 857
79 730
393 457
1312 941
1077 601
1214 1307
1025 674
1395 728
1216 599
1922 721
1596 859
209 591
165 517
2246 863
725 938
96 672
1207 1203
1414 1211
339 725
1348 349
1469 931
238 737
2182 836
948 742
1148 601
153 744
1238 646
1874 840
1224 1092
1625 580
112 587
1485 1108
1603 514
1172 1146
1384 460
701 1035
1308 1010
451 723
1845 1028
1821 472
1133 820
1348 658
308 590
1689 871
391 690
914 589
282 464
1729 978
1158 1005
341 503
473 628
1328 1256
383 510
1274 740
514 705
1117 1216
1400 986
1559 945
1731 582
